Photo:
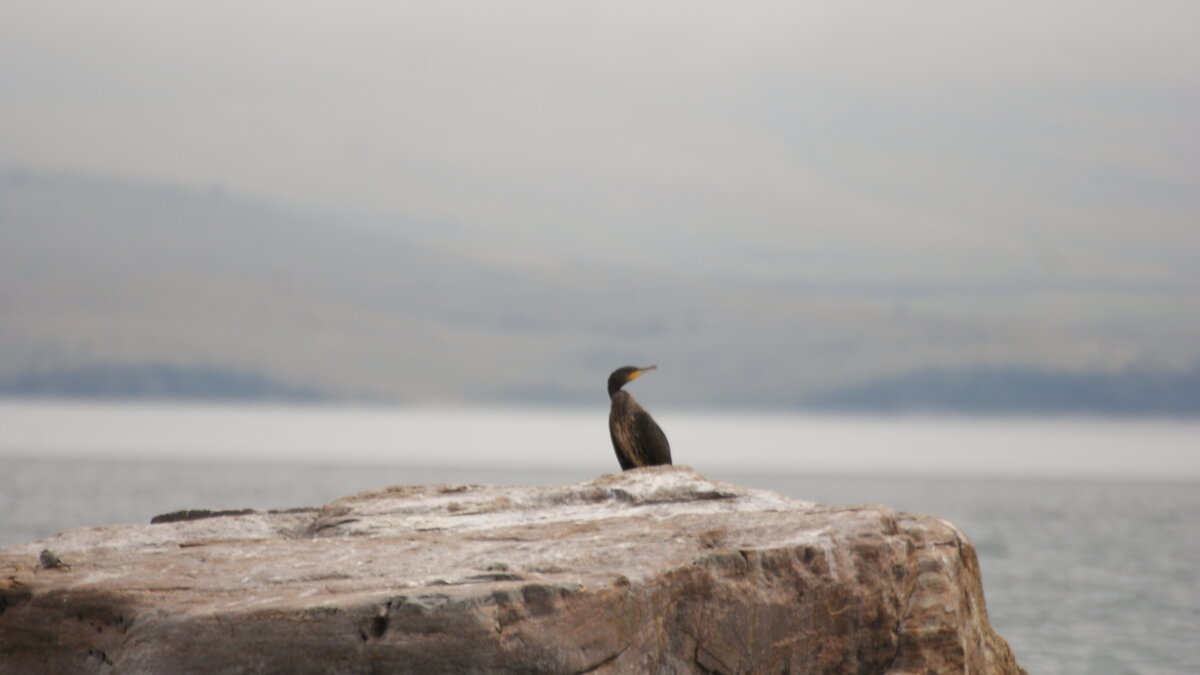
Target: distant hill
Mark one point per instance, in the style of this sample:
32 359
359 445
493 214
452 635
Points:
153 381
110 288
1024 391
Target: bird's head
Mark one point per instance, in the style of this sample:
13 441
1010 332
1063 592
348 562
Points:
621 376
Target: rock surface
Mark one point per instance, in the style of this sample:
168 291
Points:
655 570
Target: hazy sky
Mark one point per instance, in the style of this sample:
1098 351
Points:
985 148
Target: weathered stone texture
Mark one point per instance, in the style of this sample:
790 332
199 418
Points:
656 570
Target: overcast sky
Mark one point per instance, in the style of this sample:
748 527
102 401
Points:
914 147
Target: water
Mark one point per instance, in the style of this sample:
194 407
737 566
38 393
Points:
1087 574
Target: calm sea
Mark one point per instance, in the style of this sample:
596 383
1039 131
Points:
1088 531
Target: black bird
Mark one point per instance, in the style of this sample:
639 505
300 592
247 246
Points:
636 437
48 560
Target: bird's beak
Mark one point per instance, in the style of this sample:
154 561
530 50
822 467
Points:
641 371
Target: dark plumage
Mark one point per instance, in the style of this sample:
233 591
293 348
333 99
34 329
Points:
636 437
48 560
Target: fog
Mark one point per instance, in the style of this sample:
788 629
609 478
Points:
784 196
979 143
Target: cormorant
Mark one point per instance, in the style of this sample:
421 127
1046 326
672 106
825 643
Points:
47 560
636 437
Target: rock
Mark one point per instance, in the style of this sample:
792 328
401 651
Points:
655 570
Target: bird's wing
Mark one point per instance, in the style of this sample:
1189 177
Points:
622 457
653 441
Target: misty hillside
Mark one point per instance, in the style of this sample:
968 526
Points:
169 292
99 273
152 381
1023 391
104 273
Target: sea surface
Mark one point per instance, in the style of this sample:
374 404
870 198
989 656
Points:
1088 532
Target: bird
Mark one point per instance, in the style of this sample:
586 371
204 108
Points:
48 560
636 437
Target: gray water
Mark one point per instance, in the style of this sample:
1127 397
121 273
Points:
1095 576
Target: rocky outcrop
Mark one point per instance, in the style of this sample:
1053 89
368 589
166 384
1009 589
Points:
655 570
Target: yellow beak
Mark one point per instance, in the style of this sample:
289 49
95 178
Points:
641 371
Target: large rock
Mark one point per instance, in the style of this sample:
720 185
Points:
651 571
